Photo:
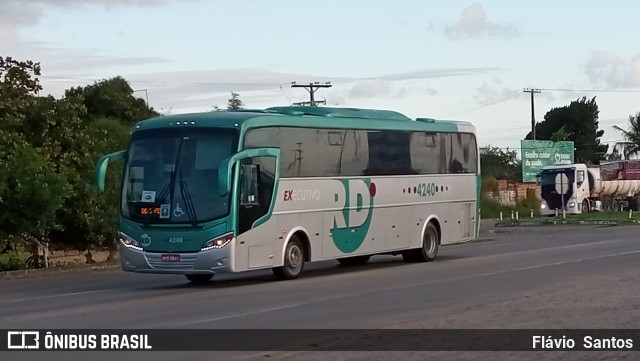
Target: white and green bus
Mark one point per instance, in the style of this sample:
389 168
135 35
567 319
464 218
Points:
236 191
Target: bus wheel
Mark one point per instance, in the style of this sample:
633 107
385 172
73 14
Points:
429 249
354 261
199 278
293 260
585 206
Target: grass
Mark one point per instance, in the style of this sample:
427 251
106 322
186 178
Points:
593 216
491 208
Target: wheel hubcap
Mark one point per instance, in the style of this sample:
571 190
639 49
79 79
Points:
295 257
431 242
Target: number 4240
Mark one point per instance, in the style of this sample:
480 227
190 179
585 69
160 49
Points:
426 189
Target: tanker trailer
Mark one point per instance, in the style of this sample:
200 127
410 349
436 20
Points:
577 188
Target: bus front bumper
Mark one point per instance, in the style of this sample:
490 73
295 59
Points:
203 262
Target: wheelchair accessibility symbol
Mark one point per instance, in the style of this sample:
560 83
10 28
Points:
177 211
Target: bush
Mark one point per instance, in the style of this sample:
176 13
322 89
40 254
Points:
491 208
528 203
12 262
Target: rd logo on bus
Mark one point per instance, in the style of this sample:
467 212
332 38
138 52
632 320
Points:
351 224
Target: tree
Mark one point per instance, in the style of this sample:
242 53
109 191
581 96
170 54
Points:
577 122
48 149
632 136
112 98
30 190
499 164
560 135
234 102
18 86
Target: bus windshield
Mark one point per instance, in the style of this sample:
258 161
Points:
171 175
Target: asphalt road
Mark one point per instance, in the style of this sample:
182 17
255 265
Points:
384 293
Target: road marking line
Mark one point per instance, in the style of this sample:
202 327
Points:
61 295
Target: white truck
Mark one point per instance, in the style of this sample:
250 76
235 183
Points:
578 188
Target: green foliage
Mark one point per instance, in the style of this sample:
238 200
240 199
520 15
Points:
13 261
489 185
30 190
496 163
632 136
112 98
48 149
560 135
530 202
234 103
18 85
577 122
491 208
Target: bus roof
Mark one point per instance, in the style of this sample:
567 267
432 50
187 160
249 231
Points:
307 116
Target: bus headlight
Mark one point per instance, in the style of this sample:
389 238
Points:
218 242
543 206
129 242
572 204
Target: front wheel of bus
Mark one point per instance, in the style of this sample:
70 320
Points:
199 279
293 260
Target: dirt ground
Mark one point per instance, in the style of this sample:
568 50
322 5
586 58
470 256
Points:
608 301
73 258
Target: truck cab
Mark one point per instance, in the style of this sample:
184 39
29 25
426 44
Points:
565 187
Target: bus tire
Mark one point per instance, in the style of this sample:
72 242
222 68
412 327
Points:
429 249
293 260
354 261
199 279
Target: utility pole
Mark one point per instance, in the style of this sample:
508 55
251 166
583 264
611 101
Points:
146 93
311 88
533 114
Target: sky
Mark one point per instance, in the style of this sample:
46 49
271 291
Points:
460 60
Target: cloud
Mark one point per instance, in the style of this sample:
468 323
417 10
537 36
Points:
15 14
436 73
610 70
371 89
473 23
201 89
386 89
494 91
73 65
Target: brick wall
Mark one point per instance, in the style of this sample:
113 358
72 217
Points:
510 192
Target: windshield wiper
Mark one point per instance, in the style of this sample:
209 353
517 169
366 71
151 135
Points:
186 197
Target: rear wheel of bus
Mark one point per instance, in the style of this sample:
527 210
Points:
429 249
293 260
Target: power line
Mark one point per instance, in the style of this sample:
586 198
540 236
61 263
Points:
592 90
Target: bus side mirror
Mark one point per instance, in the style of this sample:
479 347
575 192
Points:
226 167
101 167
249 185
580 177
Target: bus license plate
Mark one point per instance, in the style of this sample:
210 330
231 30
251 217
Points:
170 258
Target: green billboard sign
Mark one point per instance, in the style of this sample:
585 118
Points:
539 153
